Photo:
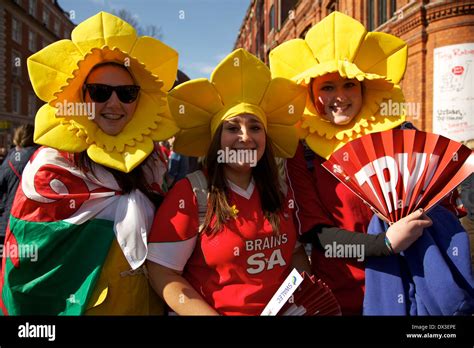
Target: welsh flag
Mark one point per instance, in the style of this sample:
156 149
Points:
60 231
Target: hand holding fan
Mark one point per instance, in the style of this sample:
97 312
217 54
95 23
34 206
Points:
399 171
302 295
312 298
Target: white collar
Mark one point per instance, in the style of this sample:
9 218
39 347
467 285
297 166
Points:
240 191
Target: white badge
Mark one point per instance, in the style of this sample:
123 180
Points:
283 293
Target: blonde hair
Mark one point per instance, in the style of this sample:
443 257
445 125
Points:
23 135
469 143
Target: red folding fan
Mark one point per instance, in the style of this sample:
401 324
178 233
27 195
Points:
398 171
312 298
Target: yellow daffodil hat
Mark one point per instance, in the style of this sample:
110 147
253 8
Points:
240 84
58 72
341 44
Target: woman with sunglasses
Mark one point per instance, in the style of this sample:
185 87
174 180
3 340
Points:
88 196
229 254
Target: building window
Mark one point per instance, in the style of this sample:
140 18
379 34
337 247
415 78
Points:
382 12
56 27
370 15
31 104
32 7
46 17
16 30
271 18
16 63
393 7
31 41
16 99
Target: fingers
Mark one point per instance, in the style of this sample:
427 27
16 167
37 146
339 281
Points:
420 224
416 215
425 217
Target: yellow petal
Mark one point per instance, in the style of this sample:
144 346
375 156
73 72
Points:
284 102
50 132
193 103
336 37
193 142
291 58
383 54
104 29
50 68
165 130
164 65
284 140
241 77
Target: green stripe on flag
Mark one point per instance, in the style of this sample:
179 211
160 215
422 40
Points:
68 262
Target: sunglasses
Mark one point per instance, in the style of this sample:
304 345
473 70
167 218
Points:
100 93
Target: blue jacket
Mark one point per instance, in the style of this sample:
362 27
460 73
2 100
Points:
10 170
432 277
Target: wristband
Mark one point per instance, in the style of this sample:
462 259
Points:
389 245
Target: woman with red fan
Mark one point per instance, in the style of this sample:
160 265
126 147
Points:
352 77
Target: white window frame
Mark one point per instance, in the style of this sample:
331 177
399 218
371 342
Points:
32 7
16 30
56 27
31 41
46 17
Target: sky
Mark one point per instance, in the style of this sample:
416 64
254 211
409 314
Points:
202 31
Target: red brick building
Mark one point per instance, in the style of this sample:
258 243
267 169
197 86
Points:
440 36
26 26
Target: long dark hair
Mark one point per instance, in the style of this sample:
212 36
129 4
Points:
265 174
126 181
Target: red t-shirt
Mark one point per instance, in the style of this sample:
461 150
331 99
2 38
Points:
238 270
165 151
323 200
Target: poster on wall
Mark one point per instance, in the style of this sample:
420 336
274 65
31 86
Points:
453 91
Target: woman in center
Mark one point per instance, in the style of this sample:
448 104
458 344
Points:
226 253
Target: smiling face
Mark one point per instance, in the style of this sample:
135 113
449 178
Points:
243 132
337 99
112 115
